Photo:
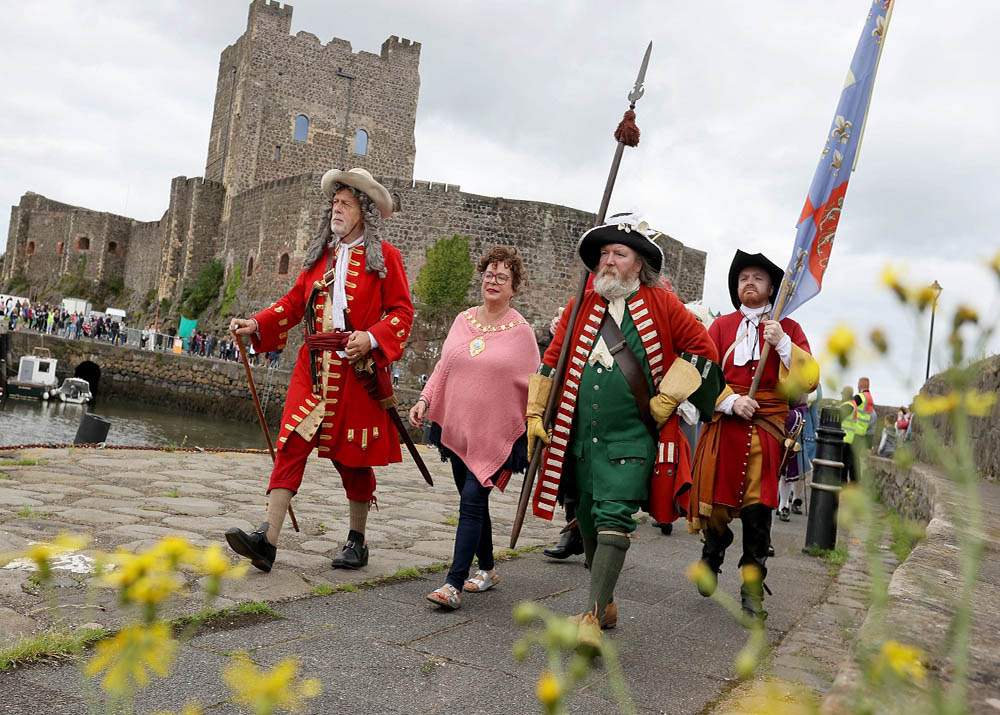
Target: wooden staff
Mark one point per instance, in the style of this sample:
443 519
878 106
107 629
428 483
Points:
766 350
260 412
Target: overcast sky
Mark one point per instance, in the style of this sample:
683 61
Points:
102 103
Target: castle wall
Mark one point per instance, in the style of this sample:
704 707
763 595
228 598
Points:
267 78
190 233
142 262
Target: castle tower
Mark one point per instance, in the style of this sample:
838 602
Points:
282 103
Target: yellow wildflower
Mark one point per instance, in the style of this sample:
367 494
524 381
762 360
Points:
980 404
841 344
927 405
994 263
548 690
174 549
131 655
924 296
879 341
213 562
702 576
903 660
964 314
890 279
266 691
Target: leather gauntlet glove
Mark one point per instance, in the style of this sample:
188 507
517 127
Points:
539 387
679 382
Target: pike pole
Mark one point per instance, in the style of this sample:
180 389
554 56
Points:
260 412
627 134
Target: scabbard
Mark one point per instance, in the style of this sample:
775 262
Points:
401 428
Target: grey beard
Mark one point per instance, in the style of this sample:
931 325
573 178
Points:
612 287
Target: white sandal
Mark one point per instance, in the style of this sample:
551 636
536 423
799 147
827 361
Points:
481 581
447 597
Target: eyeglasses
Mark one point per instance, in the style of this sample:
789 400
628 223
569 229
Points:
498 278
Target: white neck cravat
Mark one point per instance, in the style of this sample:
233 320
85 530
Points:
747 345
340 278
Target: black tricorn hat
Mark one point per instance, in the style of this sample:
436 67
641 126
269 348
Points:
626 229
745 260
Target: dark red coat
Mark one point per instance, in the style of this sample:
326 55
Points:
736 431
353 429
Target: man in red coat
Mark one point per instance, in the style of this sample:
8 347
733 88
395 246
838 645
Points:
737 458
355 300
635 354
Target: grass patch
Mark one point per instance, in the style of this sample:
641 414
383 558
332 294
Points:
833 557
23 462
322 589
403 574
212 617
26 512
348 587
49 646
904 534
4 476
451 520
173 493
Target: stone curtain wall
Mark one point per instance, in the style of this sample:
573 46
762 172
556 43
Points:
142 263
45 241
190 233
278 77
984 431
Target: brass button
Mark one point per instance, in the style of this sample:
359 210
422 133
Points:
623 461
595 439
597 387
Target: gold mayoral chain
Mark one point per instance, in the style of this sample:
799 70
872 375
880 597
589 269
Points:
478 343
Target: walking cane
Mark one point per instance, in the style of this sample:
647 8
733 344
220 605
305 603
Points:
260 412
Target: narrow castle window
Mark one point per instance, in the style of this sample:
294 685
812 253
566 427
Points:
59 248
112 247
283 265
301 128
277 152
30 248
397 203
249 266
83 243
361 142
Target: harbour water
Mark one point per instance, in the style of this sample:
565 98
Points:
55 422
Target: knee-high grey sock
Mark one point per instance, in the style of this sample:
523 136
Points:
277 506
605 569
358 515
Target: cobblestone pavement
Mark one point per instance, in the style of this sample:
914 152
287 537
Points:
383 649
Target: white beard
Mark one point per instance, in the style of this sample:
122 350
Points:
611 287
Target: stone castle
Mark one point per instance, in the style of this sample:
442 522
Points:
287 108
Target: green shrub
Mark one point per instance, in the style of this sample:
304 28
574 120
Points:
444 279
196 298
231 289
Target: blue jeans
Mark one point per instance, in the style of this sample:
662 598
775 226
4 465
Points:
474 534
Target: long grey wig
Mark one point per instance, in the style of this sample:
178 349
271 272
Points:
374 261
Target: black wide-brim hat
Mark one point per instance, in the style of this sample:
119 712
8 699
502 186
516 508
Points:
745 260
636 237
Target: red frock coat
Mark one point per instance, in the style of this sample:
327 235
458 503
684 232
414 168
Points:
666 329
353 429
737 432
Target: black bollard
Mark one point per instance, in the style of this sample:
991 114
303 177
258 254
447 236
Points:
827 481
92 429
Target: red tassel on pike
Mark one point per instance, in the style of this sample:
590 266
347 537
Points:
627 132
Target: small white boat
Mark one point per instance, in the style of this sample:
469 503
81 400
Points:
75 390
36 376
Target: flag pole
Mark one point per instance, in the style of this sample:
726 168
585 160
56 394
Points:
864 124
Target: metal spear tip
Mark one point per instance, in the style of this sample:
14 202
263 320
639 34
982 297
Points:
638 90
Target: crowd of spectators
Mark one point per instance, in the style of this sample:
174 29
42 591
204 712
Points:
39 317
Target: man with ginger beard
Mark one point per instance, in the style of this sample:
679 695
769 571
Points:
635 353
738 455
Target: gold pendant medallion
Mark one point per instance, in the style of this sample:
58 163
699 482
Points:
477 346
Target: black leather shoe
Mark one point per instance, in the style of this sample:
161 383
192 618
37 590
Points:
253 546
665 529
783 514
770 549
569 544
796 506
355 553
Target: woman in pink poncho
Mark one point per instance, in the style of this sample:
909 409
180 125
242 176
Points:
476 400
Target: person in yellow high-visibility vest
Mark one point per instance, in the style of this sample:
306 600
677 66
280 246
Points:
849 423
